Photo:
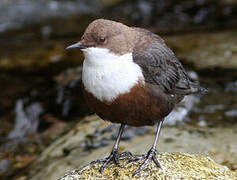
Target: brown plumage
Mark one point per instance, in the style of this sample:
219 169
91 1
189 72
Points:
159 81
143 105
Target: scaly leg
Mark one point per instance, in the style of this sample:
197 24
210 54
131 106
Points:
151 155
114 156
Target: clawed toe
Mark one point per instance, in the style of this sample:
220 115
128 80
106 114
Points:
114 156
151 155
124 154
137 158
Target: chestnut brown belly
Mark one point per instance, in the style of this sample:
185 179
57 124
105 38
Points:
143 105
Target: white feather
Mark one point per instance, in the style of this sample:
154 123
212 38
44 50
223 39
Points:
107 75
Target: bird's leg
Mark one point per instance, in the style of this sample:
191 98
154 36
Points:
114 156
151 155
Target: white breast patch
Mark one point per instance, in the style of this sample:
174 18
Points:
107 75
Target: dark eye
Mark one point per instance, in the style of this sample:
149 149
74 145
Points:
102 39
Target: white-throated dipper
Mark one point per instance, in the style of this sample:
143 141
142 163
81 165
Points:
131 77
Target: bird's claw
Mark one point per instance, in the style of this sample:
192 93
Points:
137 158
114 156
151 155
124 154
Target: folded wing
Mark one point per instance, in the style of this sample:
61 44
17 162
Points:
161 67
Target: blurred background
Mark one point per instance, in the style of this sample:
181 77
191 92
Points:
40 96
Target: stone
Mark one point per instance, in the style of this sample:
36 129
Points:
206 50
91 139
174 166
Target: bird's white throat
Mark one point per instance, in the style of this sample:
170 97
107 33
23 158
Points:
107 75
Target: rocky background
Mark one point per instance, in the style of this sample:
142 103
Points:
43 131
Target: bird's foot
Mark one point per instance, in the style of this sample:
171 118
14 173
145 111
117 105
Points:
114 156
138 158
151 155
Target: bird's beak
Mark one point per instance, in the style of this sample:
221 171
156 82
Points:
76 45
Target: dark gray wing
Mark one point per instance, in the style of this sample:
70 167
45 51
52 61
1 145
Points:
161 67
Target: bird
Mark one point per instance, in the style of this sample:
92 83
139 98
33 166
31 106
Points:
131 77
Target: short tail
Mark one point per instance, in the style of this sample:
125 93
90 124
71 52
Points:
196 88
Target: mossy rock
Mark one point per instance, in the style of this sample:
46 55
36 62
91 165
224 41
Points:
174 166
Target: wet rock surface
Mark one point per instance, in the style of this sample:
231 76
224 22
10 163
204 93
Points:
92 139
207 50
174 166
37 55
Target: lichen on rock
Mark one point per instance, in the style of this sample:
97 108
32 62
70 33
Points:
174 166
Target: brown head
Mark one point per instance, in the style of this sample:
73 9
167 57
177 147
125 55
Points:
115 36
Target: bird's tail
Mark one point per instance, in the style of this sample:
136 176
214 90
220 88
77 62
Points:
196 88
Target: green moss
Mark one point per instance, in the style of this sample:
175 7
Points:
174 166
